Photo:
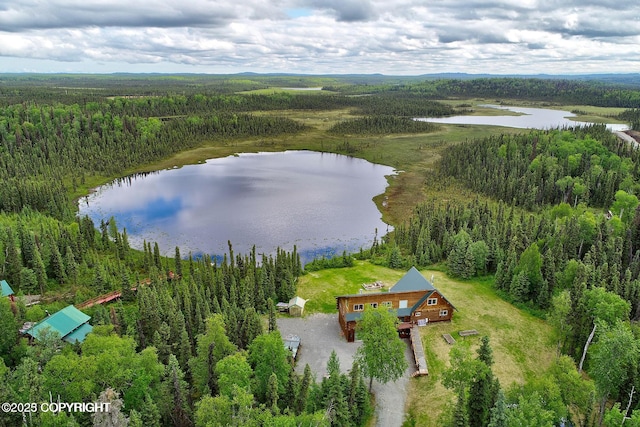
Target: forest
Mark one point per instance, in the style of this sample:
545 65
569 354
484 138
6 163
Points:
553 222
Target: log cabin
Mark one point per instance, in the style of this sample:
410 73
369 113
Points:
414 298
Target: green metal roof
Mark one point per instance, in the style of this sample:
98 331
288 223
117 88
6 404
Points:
79 334
412 281
6 289
64 322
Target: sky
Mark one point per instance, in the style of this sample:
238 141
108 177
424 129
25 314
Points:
393 37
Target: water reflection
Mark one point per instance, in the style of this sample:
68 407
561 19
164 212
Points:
320 202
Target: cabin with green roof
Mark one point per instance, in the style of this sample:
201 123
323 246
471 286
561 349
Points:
70 323
5 290
413 297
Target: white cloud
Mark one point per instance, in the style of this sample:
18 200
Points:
320 36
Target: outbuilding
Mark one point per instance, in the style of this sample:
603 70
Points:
296 306
5 290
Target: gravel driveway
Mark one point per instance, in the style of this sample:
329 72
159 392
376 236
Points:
319 335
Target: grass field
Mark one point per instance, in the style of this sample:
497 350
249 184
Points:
522 344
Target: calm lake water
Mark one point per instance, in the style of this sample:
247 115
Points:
320 202
536 118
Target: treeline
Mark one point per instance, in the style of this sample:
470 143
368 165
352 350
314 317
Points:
632 116
60 254
154 352
381 125
209 382
188 348
559 395
397 104
45 149
48 150
587 164
551 90
578 265
565 91
580 268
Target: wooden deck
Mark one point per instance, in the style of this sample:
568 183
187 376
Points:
418 353
102 299
449 339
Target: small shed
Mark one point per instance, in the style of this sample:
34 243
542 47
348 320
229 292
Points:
296 306
282 307
70 323
6 290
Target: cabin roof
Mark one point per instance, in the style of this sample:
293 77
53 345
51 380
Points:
412 281
70 323
5 288
79 334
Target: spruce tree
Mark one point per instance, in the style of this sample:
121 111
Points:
273 326
460 416
57 265
157 260
178 263
288 400
499 412
303 392
39 269
272 394
13 260
175 395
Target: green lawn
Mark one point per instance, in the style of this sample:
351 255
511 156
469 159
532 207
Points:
321 287
522 344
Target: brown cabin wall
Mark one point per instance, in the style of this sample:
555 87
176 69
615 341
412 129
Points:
432 312
380 297
342 311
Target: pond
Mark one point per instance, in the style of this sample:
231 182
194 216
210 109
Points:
320 202
536 118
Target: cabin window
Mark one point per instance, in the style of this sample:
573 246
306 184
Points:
432 301
403 303
387 304
418 313
374 305
443 313
358 307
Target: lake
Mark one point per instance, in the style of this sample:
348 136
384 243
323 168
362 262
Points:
536 118
320 202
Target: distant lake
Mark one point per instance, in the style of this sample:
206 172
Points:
320 202
535 118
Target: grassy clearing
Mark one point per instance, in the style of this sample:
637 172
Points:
321 287
522 344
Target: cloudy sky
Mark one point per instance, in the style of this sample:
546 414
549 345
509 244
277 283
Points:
401 37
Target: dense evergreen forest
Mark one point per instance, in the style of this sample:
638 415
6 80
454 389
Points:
563 239
556 223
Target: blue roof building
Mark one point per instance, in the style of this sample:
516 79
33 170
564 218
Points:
5 289
70 323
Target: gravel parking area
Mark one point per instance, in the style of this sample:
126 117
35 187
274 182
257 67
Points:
319 335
